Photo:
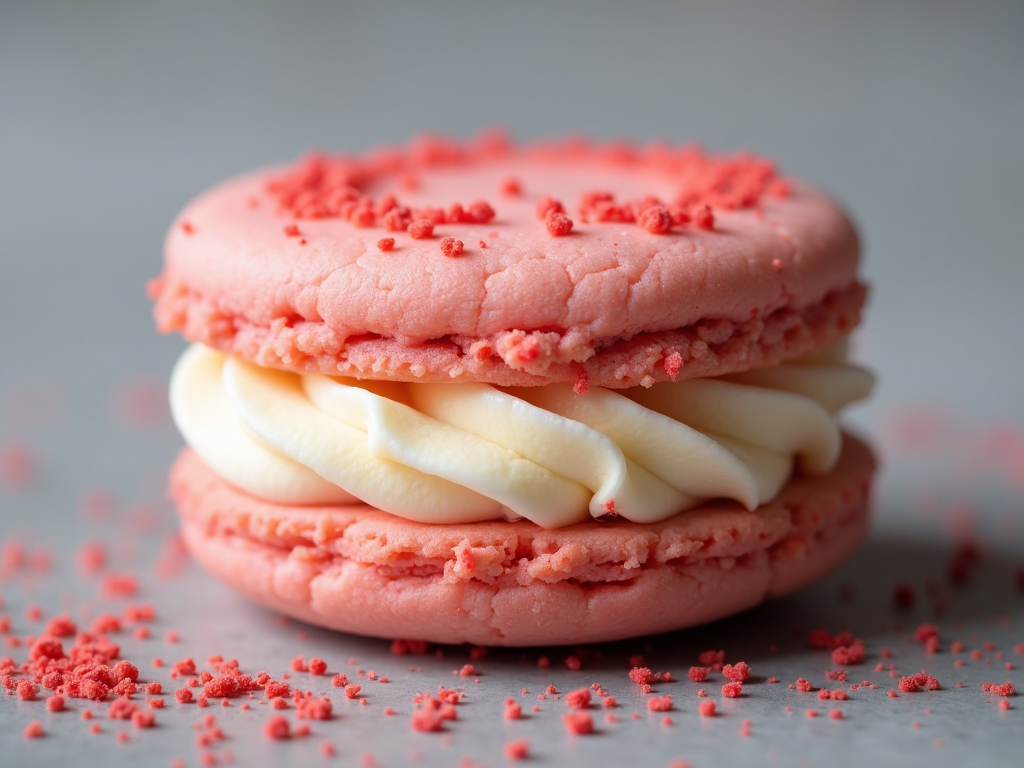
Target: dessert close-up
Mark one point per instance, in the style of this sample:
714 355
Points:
553 384
514 394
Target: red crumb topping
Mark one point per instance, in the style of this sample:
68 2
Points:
317 666
926 632
1004 689
451 247
578 722
916 682
277 728
659 703
713 659
547 204
580 385
558 224
55 703
33 730
836 714
732 690
339 681
578 699
738 672
1004 704
291 230
511 187
352 691
703 217
386 244
609 702
27 690
706 708
656 219
641 675
849 654
183 696
803 685
673 363
313 709
421 229
518 749
513 710
467 671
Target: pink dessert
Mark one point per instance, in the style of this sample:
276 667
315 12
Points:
507 395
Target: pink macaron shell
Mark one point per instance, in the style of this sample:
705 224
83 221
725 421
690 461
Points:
328 299
357 569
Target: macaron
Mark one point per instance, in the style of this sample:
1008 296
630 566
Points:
515 394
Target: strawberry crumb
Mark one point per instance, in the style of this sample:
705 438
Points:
704 218
641 675
738 672
558 224
706 708
451 247
578 722
546 205
803 685
386 244
712 659
656 219
317 666
578 699
277 728
33 730
352 691
659 703
835 714
421 229
518 749
732 690
698 674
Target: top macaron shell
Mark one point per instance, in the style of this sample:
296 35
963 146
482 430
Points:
235 263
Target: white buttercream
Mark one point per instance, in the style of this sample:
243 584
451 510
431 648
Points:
450 453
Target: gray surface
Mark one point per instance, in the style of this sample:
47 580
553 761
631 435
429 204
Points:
113 114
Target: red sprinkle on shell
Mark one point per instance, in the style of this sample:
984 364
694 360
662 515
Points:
704 218
558 224
511 187
656 219
291 230
451 247
421 229
386 244
546 204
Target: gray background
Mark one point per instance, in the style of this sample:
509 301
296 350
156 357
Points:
112 115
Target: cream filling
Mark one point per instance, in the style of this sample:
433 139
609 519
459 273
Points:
455 453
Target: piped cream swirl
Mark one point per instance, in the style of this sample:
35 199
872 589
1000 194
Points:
453 453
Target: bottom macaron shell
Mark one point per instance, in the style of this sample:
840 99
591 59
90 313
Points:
358 569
